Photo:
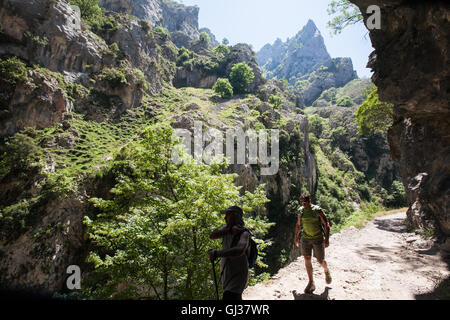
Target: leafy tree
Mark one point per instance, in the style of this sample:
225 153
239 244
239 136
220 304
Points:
346 14
152 235
89 8
223 88
240 77
204 37
225 42
222 50
374 115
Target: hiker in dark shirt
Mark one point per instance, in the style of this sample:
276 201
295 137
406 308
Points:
234 262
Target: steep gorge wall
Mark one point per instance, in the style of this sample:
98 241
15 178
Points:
411 70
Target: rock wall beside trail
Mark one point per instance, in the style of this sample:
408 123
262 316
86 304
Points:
411 70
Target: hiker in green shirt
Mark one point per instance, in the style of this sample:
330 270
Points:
315 237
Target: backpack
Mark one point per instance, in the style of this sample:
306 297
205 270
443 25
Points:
253 254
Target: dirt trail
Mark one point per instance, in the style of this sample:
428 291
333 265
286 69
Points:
381 261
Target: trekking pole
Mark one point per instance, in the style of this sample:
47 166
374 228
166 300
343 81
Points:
215 279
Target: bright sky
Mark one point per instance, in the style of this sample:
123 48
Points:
258 22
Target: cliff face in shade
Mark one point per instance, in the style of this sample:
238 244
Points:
411 70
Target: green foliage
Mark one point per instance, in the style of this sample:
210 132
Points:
396 197
275 101
344 101
162 32
102 24
317 125
339 137
240 77
225 42
37 40
373 115
346 14
115 77
222 50
152 236
184 55
204 37
21 156
223 88
119 77
12 71
14 218
59 186
89 8
112 50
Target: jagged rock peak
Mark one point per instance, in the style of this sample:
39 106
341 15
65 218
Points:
298 56
310 29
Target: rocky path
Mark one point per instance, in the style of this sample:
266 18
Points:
381 261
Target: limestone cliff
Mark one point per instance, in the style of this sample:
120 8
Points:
180 20
411 70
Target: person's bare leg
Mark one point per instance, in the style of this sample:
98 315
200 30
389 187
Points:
309 268
324 265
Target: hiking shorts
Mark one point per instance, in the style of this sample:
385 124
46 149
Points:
307 246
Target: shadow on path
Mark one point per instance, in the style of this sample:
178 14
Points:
441 290
391 225
311 296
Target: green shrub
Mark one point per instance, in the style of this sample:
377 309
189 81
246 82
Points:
140 79
162 32
396 197
115 77
240 77
275 101
89 8
14 219
102 24
344 101
183 56
204 37
223 88
222 50
21 155
12 71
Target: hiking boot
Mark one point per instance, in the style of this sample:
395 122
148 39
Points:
328 277
310 288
